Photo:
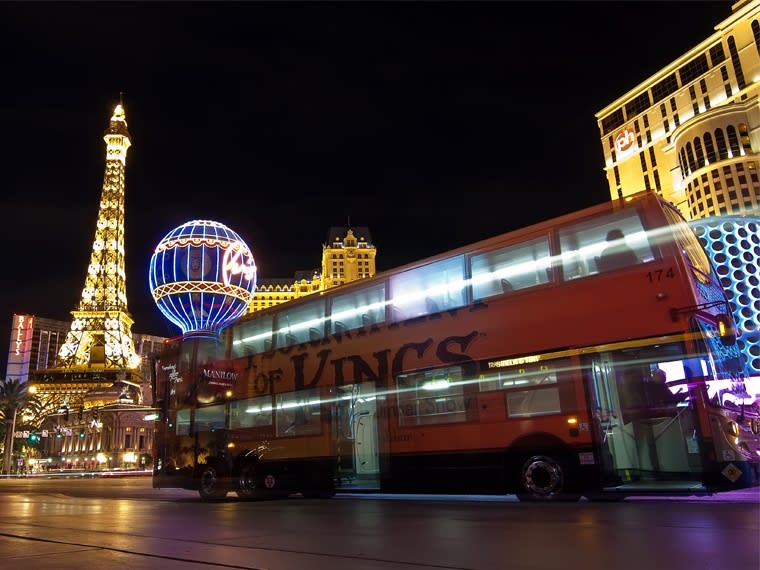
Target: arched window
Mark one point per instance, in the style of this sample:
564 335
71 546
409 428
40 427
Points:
690 155
684 164
709 148
720 141
733 141
698 151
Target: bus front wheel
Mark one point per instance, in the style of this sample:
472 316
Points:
247 482
542 478
211 484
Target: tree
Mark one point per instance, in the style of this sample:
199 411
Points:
13 399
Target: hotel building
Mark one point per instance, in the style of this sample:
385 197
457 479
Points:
691 132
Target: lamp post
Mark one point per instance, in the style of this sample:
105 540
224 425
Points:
9 441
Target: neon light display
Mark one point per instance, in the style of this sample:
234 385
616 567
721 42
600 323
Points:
202 276
733 244
624 140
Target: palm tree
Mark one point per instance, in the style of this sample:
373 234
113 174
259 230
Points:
13 399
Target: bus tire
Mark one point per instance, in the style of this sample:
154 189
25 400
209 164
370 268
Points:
543 478
247 486
210 486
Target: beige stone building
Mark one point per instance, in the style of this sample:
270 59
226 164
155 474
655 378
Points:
691 132
347 255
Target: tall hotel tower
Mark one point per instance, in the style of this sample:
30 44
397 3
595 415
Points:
691 132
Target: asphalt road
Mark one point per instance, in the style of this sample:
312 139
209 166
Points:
102 523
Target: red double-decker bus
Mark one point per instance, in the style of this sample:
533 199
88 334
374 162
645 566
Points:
592 354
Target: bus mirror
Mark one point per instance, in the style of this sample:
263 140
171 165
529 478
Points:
726 330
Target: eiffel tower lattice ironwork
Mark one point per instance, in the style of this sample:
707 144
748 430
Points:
100 337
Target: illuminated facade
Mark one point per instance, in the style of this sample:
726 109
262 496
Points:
691 132
75 404
100 334
347 255
35 342
202 275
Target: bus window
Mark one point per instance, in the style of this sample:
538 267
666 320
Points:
522 402
689 244
431 397
301 323
526 403
252 337
209 418
357 309
252 412
582 244
510 268
428 289
298 413
183 422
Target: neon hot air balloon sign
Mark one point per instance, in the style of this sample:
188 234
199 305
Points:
202 276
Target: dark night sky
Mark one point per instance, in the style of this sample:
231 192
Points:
282 119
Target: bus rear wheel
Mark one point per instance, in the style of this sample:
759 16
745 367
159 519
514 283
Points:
247 482
211 484
542 478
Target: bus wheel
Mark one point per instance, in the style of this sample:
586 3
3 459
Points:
542 479
211 484
247 482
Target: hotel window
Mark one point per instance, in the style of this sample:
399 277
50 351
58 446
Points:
690 156
612 121
693 69
744 137
736 62
703 88
733 141
709 148
694 104
637 105
666 87
720 142
698 151
674 109
717 55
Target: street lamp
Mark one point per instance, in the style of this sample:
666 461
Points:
10 439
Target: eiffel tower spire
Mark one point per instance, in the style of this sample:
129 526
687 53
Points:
100 337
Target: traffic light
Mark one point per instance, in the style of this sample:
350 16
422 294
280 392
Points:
33 437
81 434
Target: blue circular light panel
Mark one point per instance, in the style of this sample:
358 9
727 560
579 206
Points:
733 244
202 275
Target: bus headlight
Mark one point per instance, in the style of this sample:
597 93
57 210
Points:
732 428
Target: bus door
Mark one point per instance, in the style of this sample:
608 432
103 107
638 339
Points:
358 451
614 443
648 420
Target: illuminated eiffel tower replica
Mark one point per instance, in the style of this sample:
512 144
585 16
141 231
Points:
98 355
